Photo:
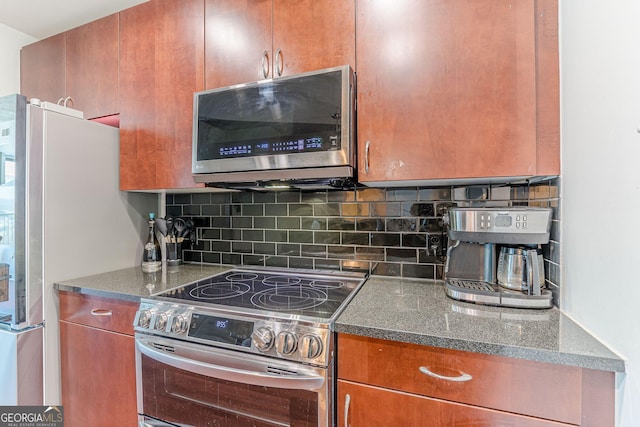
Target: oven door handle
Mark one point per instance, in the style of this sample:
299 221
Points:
292 380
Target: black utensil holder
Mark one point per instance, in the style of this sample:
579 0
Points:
174 253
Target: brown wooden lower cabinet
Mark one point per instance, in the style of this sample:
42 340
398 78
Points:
98 365
418 385
370 406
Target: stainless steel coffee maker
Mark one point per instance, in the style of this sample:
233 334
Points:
494 256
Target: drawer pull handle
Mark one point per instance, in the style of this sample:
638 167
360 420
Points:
101 312
462 378
347 403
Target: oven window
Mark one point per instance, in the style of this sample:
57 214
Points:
185 398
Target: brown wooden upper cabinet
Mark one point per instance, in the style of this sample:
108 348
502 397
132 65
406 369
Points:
248 40
80 65
92 67
42 69
161 66
456 90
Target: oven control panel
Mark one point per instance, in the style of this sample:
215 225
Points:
282 339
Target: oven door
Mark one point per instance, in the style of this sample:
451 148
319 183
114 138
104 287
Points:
184 384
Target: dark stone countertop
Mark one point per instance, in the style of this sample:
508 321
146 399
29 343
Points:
131 284
418 311
406 310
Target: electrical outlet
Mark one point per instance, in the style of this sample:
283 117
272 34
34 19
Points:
434 247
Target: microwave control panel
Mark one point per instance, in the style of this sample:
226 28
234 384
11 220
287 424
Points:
300 145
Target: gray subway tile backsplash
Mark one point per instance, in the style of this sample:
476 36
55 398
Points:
394 232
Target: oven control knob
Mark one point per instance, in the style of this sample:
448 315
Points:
161 321
179 324
263 338
144 319
287 342
310 346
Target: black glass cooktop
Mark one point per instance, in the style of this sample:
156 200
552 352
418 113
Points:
280 291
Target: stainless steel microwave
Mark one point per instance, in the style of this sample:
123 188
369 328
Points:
287 131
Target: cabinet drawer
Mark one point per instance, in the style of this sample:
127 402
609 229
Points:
366 406
104 313
524 387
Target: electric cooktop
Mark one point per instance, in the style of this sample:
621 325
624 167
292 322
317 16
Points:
306 293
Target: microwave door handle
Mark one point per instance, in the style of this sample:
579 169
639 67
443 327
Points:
291 382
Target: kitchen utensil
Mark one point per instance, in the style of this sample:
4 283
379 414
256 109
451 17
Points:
179 227
161 226
170 224
191 231
188 226
521 269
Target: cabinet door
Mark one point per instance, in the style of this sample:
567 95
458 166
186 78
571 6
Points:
92 67
312 34
98 377
238 41
161 66
365 406
307 35
446 89
42 69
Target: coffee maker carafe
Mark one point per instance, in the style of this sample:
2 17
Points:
521 268
494 256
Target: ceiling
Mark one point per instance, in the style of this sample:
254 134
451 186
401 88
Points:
43 18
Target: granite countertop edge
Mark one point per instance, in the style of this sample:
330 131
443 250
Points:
533 354
121 296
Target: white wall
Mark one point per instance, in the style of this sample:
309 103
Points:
10 43
600 104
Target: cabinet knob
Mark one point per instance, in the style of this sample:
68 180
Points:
144 318
101 312
179 324
161 321
287 343
263 338
310 346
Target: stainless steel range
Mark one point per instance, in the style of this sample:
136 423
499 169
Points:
248 347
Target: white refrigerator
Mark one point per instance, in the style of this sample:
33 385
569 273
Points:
62 216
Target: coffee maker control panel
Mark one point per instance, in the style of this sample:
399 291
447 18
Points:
508 220
523 225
